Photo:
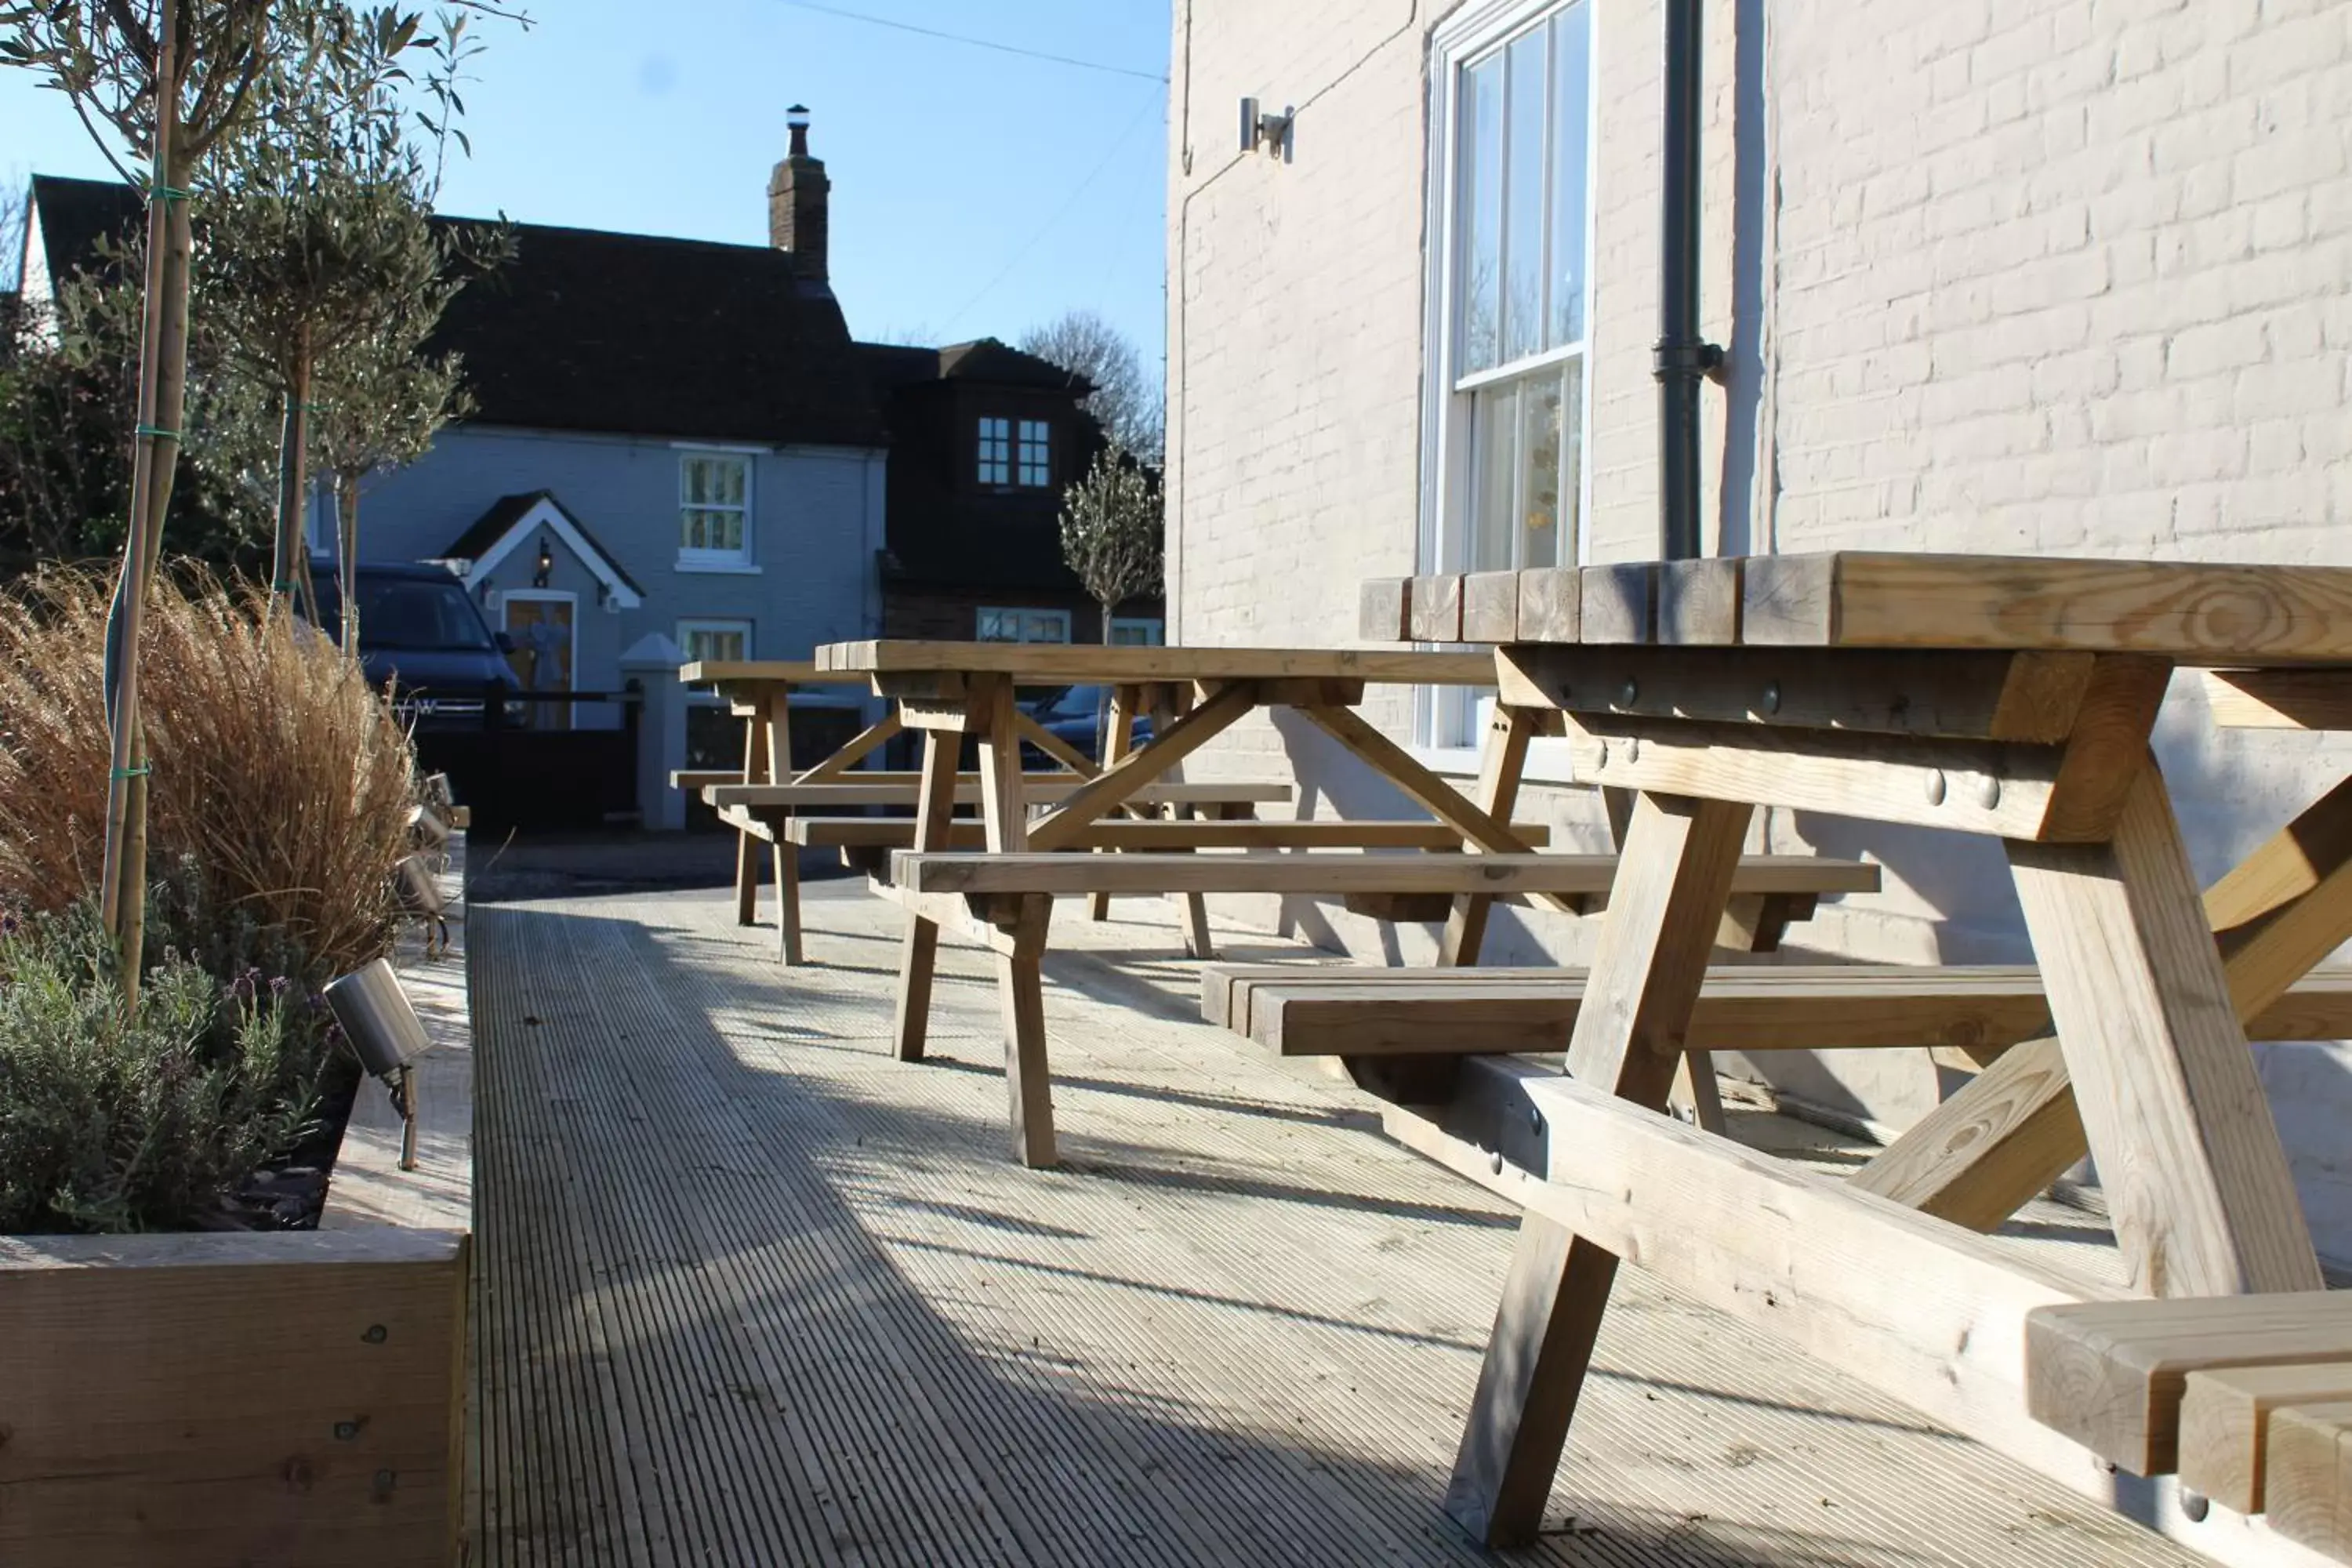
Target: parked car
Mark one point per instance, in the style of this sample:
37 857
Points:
1074 715
420 630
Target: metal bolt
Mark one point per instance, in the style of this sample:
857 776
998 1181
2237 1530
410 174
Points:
376 1334
1988 793
386 1481
1633 749
1498 1162
1771 697
1535 1119
2195 1505
1936 786
1602 760
346 1430
1631 695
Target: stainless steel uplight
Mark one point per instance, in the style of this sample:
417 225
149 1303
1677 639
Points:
383 1029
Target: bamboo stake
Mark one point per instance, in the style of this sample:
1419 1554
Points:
123 882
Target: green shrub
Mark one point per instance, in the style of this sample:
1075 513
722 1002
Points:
112 1124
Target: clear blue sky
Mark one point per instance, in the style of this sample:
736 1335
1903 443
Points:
958 206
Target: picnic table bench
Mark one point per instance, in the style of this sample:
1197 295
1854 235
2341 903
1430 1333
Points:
2247 1399
2010 698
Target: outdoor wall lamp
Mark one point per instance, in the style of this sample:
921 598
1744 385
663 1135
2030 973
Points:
1269 133
383 1029
546 565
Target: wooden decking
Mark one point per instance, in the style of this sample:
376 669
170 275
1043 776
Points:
750 1292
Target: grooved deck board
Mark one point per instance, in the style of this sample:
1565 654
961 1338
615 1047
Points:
751 1291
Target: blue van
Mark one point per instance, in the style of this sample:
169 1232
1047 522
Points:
420 630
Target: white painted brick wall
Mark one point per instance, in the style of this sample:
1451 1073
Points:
2041 276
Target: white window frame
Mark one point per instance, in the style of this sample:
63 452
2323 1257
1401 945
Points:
744 560
1005 465
1153 628
1025 612
713 624
1021 448
1445 724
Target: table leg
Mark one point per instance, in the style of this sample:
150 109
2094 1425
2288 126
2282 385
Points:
1020 978
1673 882
787 854
2006 1134
1124 706
2195 1177
1502 761
918 950
1168 704
747 848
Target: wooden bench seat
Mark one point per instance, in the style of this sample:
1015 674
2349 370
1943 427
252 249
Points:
2248 1399
900 789
1335 872
1319 1010
1128 832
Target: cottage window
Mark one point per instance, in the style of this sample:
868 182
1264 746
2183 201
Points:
705 641
1138 631
714 507
1509 292
700 641
1036 453
996 451
1024 625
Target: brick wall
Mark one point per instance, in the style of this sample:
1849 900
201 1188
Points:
2060 275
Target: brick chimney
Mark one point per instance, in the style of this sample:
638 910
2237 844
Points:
796 201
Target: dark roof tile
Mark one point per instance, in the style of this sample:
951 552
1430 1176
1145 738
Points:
614 334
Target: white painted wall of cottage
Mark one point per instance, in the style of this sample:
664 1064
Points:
2062 276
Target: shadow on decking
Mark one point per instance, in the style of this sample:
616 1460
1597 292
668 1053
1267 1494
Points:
698 1341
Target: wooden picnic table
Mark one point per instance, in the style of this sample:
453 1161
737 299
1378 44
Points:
2012 698
949 690
760 799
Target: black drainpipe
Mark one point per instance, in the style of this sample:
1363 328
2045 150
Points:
1682 358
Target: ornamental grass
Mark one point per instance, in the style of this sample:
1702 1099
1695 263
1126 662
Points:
281 781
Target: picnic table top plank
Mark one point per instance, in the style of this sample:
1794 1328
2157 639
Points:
2195 613
1105 664
757 671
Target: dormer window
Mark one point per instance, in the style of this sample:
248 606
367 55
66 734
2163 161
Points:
996 451
1036 453
1027 462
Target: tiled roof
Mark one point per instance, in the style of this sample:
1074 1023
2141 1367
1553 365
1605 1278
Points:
614 333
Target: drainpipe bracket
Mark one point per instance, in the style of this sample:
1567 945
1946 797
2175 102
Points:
1670 360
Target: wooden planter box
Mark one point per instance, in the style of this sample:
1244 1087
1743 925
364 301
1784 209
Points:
294 1398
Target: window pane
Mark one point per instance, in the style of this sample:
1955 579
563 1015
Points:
1523 208
730 482
1572 115
1480 215
1571 457
1539 472
691 529
1494 423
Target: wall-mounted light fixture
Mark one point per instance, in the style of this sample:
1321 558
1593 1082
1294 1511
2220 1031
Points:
546 564
1263 132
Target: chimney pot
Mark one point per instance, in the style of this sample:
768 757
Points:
796 119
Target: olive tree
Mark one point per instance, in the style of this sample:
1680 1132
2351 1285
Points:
160 83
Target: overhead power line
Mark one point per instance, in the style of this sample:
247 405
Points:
976 43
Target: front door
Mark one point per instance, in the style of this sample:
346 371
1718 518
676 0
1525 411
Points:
544 646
